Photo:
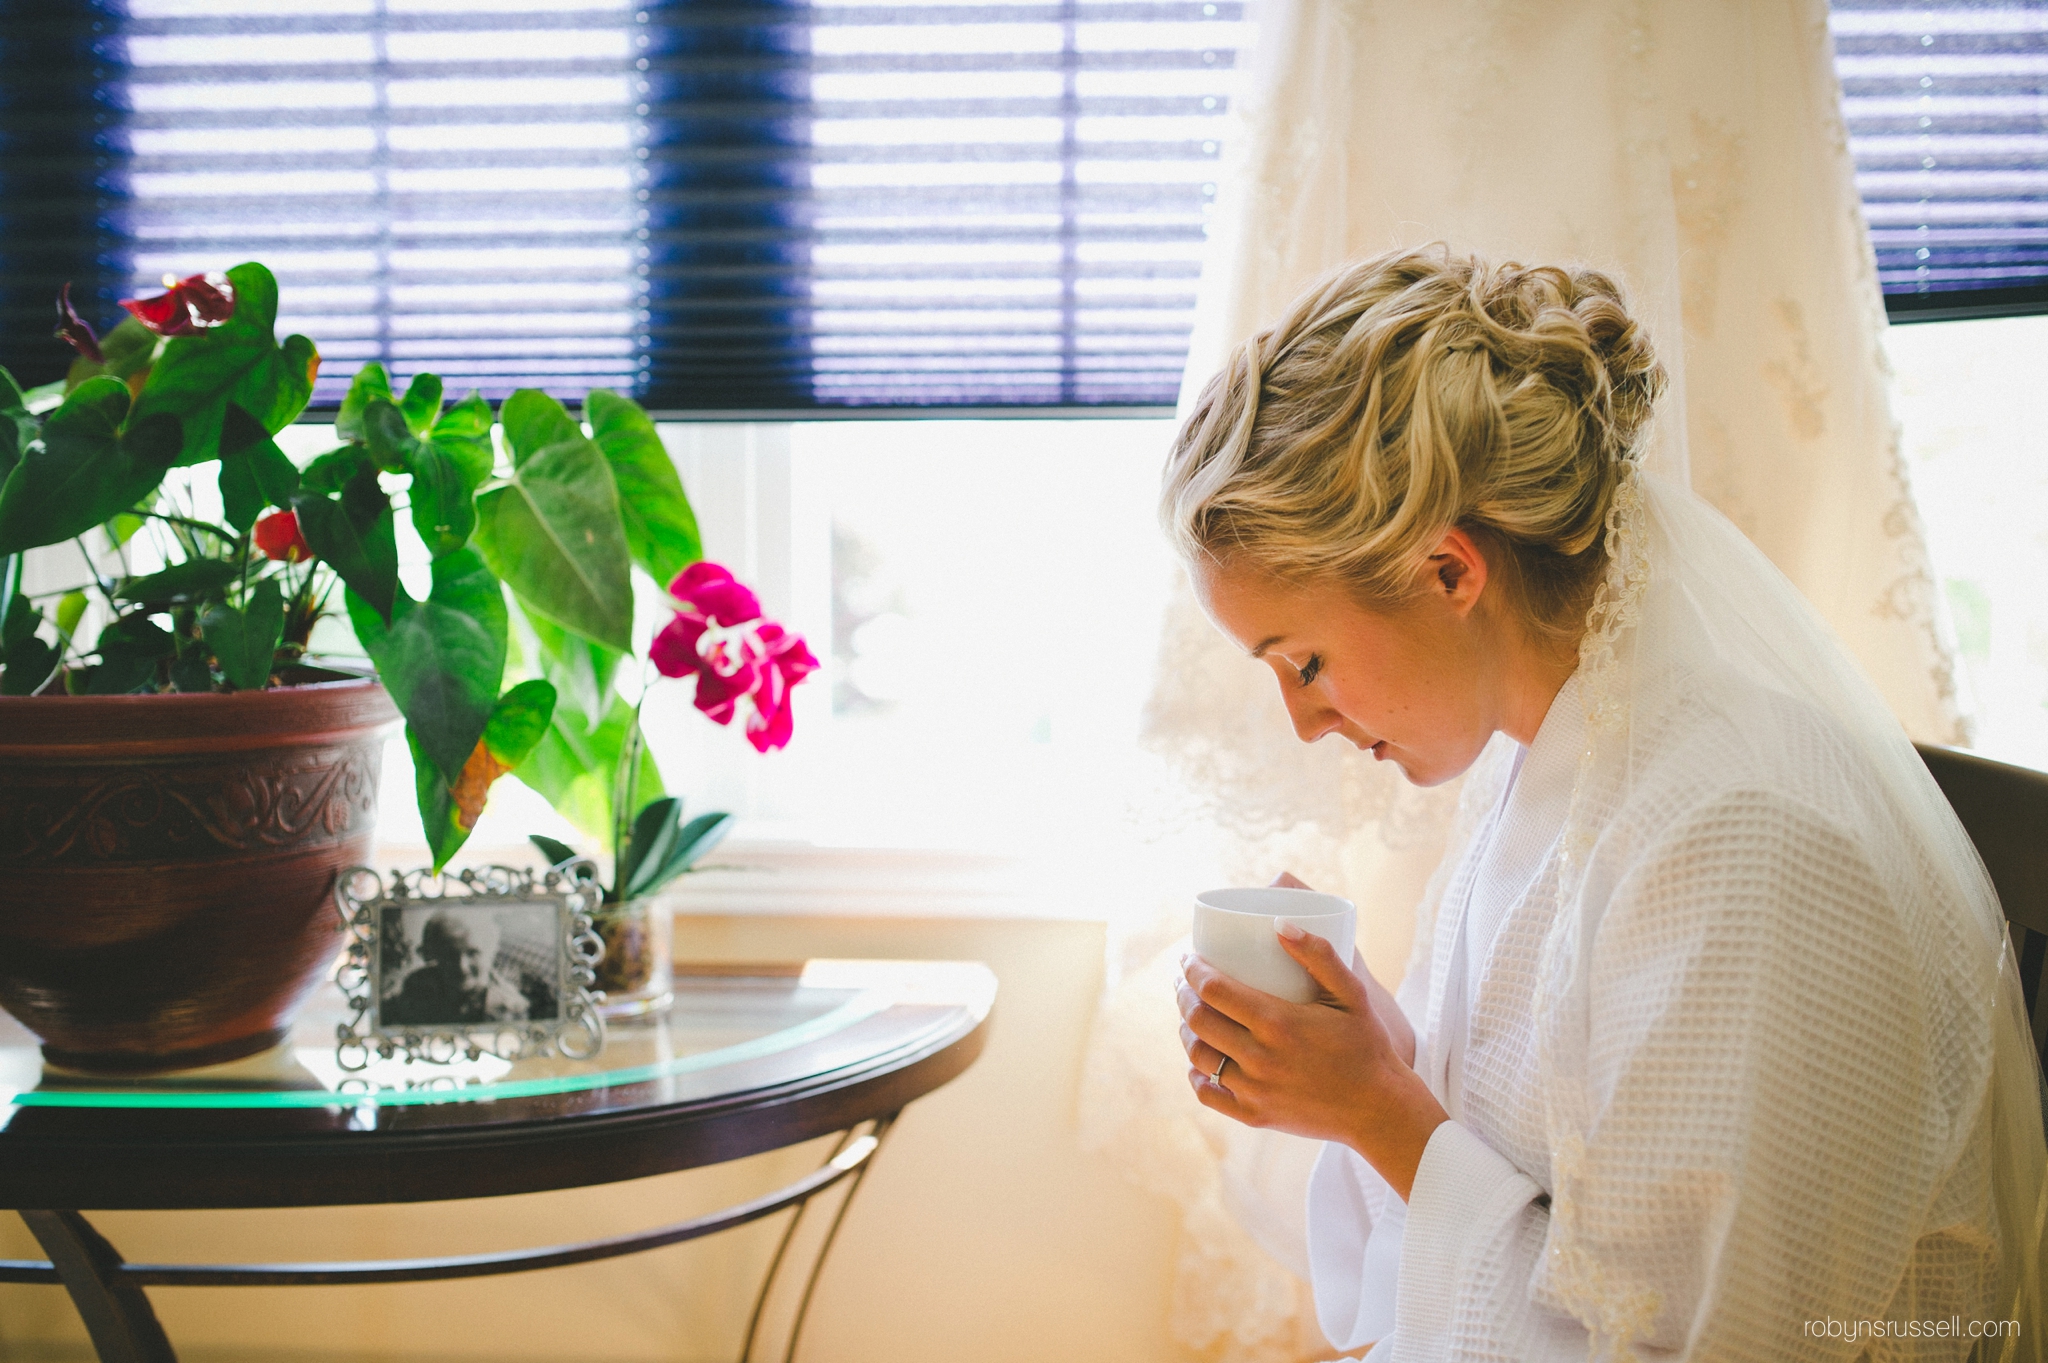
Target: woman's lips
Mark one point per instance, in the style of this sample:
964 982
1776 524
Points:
1379 751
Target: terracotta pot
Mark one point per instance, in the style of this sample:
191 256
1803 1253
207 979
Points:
167 864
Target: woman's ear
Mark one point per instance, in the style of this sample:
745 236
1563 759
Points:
1459 570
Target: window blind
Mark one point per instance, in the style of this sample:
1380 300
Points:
63 173
793 206
986 204
716 204
442 187
1947 111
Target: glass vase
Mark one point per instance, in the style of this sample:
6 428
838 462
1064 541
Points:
636 974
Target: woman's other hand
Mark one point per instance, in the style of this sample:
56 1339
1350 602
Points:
1325 1070
1399 1032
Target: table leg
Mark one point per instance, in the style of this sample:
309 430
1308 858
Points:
877 1133
116 1314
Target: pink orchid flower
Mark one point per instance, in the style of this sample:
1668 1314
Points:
187 306
739 658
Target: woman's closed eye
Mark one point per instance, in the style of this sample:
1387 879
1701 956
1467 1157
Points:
1311 669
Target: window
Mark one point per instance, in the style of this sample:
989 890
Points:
1972 403
985 597
766 207
1947 110
1947 113
786 208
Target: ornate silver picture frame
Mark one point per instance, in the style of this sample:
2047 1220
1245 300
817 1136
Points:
491 961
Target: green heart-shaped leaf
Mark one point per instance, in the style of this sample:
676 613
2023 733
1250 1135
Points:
370 382
441 659
81 472
245 641
448 812
355 535
574 769
661 529
464 434
518 721
331 471
254 472
533 422
581 671
422 402
553 532
443 504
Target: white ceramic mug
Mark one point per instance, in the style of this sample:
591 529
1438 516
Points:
1234 932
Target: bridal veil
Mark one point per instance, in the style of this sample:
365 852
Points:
1691 621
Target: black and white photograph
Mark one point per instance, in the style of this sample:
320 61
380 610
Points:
448 964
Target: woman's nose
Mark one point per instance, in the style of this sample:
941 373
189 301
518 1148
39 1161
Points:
1312 718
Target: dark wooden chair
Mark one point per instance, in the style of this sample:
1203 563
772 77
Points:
2004 809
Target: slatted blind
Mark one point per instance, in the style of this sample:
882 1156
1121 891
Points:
792 205
1947 109
63 172
1008 199
729 205
438 186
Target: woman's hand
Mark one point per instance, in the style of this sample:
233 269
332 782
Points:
1399 1032
1326 1070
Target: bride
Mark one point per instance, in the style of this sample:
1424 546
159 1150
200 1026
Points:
1711 1044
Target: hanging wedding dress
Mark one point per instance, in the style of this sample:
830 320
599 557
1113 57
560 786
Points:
1723 1011
1698 152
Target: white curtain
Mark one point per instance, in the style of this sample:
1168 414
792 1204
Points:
1697 150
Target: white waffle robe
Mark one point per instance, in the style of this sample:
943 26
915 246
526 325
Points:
1748 1067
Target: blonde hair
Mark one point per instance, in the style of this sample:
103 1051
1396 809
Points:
1408 394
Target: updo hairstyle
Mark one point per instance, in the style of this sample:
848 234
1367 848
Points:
1410 393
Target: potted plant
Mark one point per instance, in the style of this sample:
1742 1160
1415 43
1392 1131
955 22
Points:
176 795
174 966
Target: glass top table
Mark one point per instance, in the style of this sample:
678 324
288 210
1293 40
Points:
751 1058
716 1024
760 1046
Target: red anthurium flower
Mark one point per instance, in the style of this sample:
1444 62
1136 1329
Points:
740 660
279 537
74 330
187 306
